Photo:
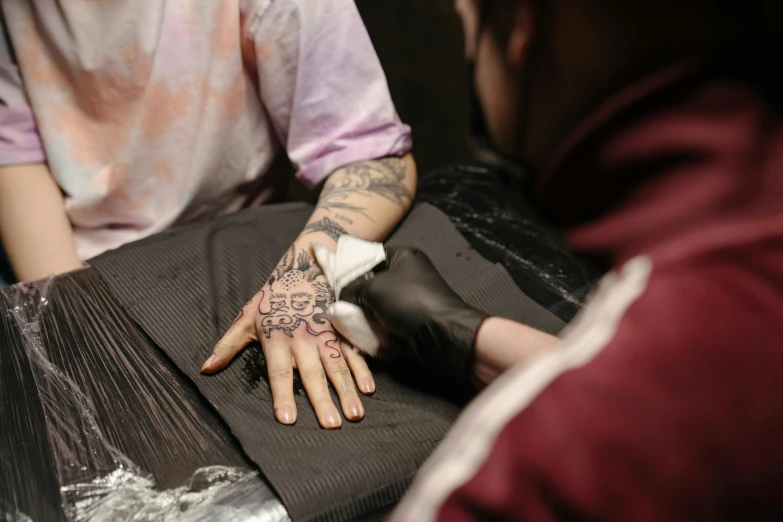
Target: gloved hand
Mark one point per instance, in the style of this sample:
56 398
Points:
411 306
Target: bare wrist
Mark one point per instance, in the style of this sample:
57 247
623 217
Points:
501 344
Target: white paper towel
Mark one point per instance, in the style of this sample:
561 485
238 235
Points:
353 259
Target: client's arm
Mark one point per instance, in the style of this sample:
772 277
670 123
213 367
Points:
367 200
326 96
34 227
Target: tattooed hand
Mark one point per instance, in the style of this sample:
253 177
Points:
288 316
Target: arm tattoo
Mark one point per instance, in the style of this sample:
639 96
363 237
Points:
328 227
295 299
345 219
384 178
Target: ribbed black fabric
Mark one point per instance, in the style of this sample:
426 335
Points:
185 286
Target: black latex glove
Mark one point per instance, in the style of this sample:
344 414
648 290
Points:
410 306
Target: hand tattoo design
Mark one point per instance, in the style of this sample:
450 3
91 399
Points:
241 313
384 177
328 227
297 300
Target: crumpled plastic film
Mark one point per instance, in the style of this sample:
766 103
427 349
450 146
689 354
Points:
213 493
96 426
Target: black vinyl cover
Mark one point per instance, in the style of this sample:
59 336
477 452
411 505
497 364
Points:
505 227
183 287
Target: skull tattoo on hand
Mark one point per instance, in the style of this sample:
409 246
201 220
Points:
295 296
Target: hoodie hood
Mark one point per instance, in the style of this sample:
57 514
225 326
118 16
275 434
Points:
686 161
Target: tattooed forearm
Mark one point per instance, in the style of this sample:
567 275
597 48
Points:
332 206
384 178
327 226
344 219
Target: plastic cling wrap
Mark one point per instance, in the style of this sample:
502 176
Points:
97 425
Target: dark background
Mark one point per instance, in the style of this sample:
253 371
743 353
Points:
420 45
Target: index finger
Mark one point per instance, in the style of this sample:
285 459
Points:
239 334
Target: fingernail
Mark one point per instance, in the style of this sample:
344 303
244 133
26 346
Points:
367 386
355 411
332 420
286 415
208 363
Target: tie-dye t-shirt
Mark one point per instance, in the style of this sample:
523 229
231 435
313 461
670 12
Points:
151 113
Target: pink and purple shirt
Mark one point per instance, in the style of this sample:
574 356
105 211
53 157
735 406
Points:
154 113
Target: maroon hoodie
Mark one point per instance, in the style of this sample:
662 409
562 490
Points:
664 400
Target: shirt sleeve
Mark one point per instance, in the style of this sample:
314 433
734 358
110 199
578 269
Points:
20 142
651 409
323 86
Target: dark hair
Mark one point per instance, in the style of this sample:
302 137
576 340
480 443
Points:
753 14
495 15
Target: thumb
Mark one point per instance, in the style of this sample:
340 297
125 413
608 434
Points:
233 342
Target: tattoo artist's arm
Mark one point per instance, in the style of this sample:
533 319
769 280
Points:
500 344
366 200
412 306
34 227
